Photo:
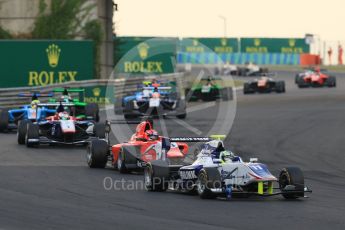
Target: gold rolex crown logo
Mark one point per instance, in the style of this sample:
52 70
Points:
257 42
96 92
53 53
223 41
292 42
195 42
143 49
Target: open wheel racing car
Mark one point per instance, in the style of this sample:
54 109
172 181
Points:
219 172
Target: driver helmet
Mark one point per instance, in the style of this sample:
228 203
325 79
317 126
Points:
226 156
63 116
34 103
66 98
152 134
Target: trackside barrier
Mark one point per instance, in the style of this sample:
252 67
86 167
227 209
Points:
122 86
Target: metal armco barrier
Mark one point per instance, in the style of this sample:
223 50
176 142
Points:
122 86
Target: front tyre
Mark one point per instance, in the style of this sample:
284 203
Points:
21 132
121 166
97 154
291 176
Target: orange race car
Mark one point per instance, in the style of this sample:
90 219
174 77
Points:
315 78
145 145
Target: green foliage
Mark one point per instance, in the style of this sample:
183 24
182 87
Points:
64 19
93 31
4 34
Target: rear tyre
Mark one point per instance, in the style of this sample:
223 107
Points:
99 130
280 87
153 183
3 120
97 154
92 110
21 132
292 176
246 88
331 82
202 186
32 132
226 94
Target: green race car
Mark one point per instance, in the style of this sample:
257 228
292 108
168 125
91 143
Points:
82 110
208 89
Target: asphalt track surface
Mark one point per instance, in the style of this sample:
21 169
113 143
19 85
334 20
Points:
52 187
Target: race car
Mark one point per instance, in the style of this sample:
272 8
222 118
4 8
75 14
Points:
9 119
263 85
154 99
251 69
61 128
209 89
315 78
218 172
83 110
144 146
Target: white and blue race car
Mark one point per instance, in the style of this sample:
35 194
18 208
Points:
219 172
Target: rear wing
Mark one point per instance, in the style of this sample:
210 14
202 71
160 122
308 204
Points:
159 87
69 90
35 94
166 142
55 104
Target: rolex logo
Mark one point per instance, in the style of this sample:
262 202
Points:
257 42
292 42
53 53
143 49
195 42
96 92
223 41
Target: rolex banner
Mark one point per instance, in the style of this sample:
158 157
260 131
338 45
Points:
99 94
40 63
144 55
207 45
274 45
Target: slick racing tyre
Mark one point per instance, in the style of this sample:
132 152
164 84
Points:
92 110
155 172
292 176
121 166
97 154
21 132
280 87
32 132
99 130
203 186
3 120
246 88
331 82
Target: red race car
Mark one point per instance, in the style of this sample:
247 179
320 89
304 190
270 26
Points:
145 145
315 78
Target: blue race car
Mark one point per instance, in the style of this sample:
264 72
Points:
9 119
154 99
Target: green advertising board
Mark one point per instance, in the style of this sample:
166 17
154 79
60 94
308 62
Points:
144 55
99 94
274 45
204 45
40 63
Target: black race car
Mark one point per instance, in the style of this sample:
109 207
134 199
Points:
264 85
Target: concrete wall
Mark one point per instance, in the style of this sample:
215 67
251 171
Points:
18 17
